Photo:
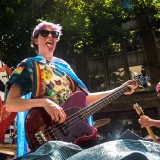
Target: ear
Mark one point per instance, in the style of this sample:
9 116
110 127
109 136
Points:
35 40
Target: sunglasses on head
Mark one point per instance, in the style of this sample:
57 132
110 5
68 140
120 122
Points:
45 33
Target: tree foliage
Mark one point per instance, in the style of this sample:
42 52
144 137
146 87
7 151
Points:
87 24
17 20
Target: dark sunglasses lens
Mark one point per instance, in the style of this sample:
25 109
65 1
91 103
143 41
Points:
44 33
55 34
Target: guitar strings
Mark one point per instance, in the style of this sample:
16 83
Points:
84 111
75 122
92 108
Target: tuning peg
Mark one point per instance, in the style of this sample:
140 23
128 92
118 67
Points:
135 74
148 84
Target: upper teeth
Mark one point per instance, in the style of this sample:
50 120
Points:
49 42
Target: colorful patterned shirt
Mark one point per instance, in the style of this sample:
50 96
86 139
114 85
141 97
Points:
56 85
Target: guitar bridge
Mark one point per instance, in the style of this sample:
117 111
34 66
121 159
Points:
40 138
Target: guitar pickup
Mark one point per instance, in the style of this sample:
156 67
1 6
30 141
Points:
63 128
51 133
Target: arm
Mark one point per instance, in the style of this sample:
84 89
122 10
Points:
149 122
15 103
97 95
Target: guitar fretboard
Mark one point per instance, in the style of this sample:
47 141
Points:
101 103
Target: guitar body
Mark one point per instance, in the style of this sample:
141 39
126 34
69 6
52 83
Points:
40 128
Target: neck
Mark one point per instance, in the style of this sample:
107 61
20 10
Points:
47 56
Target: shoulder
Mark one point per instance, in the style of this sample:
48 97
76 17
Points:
61 62
27 60
22 66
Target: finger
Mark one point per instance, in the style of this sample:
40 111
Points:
63 113
131 86
62 117
53 117
131 89
56 117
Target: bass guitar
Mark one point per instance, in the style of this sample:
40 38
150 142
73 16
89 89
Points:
40 128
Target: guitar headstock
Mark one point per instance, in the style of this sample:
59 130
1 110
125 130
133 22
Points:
138 109
142 80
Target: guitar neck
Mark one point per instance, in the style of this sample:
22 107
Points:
101 103
150 132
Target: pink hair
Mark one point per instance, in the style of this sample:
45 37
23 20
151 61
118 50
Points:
41 26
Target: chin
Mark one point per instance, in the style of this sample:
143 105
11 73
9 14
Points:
51 49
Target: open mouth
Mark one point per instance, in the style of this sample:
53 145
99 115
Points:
49 42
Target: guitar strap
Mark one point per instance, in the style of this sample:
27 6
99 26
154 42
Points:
36 79
35 75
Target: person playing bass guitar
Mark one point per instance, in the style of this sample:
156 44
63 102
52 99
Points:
51 81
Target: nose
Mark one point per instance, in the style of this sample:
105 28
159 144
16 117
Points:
49 35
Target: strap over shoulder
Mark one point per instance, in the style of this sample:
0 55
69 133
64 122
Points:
35 75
